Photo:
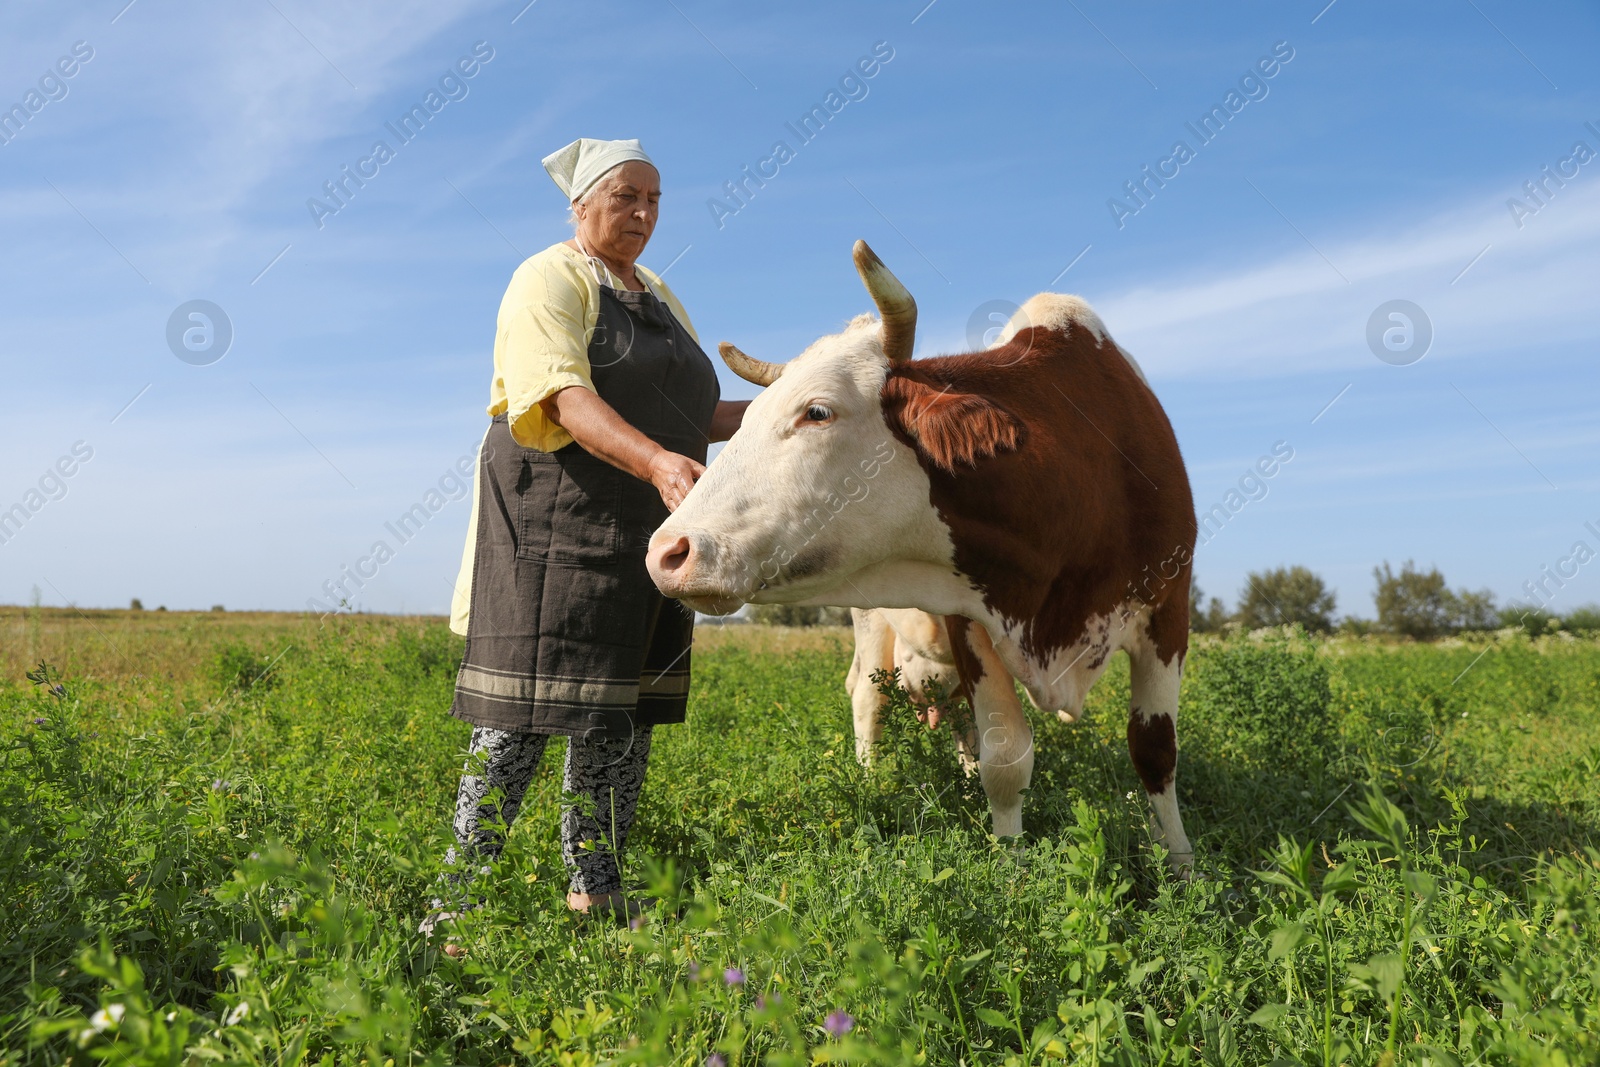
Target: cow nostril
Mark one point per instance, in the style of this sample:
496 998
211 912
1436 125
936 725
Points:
675 556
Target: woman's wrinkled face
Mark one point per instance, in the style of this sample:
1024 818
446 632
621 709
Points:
618 216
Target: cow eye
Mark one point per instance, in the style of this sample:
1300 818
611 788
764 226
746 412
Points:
818 413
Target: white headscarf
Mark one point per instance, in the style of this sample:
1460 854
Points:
577 167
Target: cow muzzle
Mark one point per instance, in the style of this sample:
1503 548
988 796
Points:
683 566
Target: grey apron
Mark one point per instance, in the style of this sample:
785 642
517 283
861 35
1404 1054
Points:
567 634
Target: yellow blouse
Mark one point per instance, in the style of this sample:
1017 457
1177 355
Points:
541 341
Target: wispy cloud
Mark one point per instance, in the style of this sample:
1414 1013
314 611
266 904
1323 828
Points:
205 129
1291 316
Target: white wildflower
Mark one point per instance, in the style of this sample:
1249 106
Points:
240 1012
107 1017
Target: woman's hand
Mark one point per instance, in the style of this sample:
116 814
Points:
673 475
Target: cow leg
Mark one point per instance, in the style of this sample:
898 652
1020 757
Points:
1005 740
1153 745
967 750
874 652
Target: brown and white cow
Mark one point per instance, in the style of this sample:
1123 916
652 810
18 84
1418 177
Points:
1034 489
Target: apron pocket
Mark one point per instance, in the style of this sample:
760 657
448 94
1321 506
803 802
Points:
593 613
568 511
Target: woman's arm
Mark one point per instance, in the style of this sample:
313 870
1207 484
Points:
596 426
725 423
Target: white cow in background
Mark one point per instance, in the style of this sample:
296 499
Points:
918 646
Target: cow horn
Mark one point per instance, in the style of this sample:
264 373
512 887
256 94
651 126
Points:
754 371
895 306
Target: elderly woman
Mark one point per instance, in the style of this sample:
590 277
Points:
602 405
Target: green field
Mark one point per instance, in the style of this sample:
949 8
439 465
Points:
218 835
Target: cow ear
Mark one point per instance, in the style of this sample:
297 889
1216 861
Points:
951 429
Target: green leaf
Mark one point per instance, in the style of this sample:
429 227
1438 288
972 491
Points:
1379 816
1280 879
1140 972
1285 939
993 1018
973 960
1423 885
1380 974
774 901
942 875
1439 1055
1268 1015
1342 879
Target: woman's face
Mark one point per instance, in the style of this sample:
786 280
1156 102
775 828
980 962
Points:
618 216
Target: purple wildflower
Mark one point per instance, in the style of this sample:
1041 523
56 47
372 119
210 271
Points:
219 784
39 722
716 1060
733 976
838 1023
636 923
694 971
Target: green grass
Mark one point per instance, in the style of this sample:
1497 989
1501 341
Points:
217 845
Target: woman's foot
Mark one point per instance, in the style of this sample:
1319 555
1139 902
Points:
615 905
439 918
597 903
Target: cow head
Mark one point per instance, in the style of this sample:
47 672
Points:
823 478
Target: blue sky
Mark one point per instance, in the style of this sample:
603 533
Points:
1376 164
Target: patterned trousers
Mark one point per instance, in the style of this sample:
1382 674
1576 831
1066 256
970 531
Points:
606 775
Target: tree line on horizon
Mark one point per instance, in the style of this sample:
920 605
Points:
1411 603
